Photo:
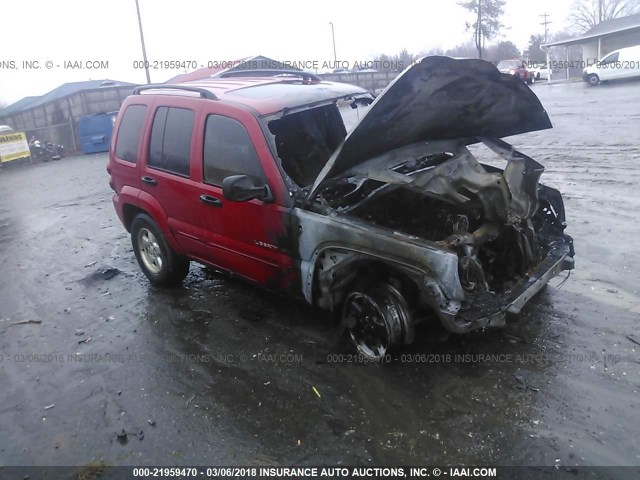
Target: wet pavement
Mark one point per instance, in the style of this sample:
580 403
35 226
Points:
220 372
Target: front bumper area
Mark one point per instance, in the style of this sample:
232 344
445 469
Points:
515 299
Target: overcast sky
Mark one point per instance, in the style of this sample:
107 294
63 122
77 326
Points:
203 31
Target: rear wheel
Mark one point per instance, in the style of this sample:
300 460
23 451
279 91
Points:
375 319
158 261
593 80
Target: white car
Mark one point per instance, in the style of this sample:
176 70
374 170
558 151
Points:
619 64
540 72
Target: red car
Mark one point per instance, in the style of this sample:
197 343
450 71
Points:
517 68
382 224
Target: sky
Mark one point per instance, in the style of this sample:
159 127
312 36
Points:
105 34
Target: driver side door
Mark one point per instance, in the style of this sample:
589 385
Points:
249 238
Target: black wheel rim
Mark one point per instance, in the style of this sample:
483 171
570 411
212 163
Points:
369 331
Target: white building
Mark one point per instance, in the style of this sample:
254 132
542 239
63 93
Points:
604 38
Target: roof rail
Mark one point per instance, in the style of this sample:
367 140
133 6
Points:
306 76
204 93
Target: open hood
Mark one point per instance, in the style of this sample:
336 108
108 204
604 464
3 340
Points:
438 98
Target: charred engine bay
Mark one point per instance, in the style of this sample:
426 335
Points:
493 255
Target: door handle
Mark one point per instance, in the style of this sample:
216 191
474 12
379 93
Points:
149 180
209 200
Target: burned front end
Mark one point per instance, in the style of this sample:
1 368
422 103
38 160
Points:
396 216
505 228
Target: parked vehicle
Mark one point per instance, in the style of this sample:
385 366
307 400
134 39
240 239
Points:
539 71
517 68
382 225
619 64
45 151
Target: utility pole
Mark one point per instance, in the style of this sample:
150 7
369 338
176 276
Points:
545 23
333 37
144 50
479 30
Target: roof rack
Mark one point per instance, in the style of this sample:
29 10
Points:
306 76
204 93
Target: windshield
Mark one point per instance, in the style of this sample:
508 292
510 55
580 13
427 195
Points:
305 140
352 116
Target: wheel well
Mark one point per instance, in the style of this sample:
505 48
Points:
338 272
377 271
372 275
130 212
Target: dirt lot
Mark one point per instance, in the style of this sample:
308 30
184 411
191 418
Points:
220 372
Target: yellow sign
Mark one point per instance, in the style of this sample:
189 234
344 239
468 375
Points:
13 145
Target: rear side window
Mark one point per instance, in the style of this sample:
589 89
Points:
228 150
170 144
129 132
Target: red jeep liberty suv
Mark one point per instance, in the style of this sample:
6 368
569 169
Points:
373 208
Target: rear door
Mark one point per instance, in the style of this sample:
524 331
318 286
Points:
249 238
166 171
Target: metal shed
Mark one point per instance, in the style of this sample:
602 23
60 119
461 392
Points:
55 115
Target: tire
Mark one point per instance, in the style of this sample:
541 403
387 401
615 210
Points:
162 266
593 80
375 319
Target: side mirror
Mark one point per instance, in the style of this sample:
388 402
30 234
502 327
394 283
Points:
240 188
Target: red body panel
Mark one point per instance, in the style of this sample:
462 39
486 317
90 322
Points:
247 238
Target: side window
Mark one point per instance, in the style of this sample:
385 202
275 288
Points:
157 134
611 58
129 132
228 150
170 143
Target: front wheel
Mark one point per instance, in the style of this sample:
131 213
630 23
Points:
158 261
593 80
376 319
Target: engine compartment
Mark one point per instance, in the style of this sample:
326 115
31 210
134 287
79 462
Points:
492 257
501 223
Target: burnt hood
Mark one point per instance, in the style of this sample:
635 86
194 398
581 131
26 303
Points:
439 98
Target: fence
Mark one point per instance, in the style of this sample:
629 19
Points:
372 81
61 134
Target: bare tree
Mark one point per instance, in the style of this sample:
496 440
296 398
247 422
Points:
586 14
431 51
466 50
400 61
486 24
404 58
